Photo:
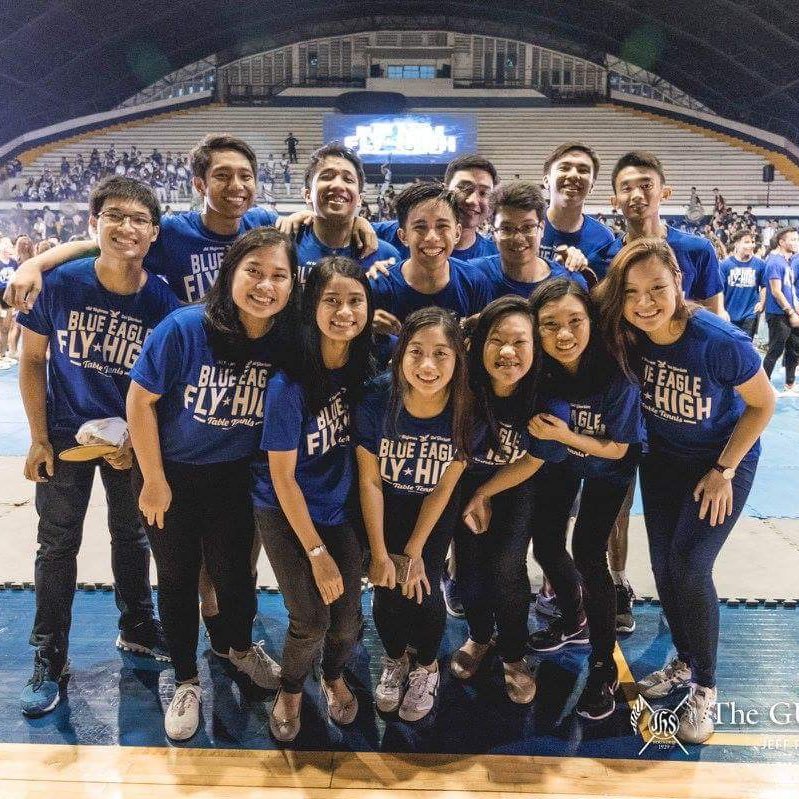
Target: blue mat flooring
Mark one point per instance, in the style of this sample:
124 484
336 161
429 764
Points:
118 698
768 499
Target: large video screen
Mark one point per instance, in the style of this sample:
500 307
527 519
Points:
404 138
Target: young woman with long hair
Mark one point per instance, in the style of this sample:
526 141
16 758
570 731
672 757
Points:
302 489
413 439
705 400
195 412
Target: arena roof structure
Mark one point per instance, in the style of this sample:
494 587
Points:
65 58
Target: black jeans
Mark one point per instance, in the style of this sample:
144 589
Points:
402 621
210 518
683 549
492 569
61 503
312 624
748 325
601 501
781 338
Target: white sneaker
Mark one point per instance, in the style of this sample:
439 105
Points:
258 666
183 714
662 682
697 723
421 694
391 688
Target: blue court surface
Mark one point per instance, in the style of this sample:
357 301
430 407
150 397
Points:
118 698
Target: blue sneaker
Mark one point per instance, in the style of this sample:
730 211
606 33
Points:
452 597
43 691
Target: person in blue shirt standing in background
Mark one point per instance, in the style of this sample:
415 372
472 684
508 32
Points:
744 283
706 400
93 317
782 304
334 180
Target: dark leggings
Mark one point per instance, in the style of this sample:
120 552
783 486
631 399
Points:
313 625
556 486
210 518
683 549
492 569
402 621
781 338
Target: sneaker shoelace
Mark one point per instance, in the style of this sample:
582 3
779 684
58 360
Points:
39 674
392 672
262 660
417 683
186 697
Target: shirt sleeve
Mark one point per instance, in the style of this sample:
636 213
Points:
283 416
39 319
158 367
367 427
622 412
732 358
552 451
708 281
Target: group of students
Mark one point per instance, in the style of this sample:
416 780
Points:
442 391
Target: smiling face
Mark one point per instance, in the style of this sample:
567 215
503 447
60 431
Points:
428 362
639 192
334 191
517 234
744 248
565 329
650 296
342 310
124 228
261 286
508 352
430 233
570 179
228 185
473 187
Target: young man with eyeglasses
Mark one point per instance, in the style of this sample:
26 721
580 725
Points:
519 212
92 316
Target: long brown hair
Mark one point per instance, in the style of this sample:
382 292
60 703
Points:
622 338
460 397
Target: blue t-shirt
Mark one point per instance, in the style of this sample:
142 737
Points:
695 255
778 268
387 231
514 442
467 292
415 456
688 388
615 414
742 283
310 251
501 284
7 269
324 469
188 255
210 410
95 338
589 239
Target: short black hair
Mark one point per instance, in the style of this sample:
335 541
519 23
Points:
643 159
201 154
334 149
521 195
418 193
779 234
739 234
567 147
123 188
470 162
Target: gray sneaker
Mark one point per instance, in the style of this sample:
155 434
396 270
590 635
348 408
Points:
662 682
258 666
421 694
391 688
697 721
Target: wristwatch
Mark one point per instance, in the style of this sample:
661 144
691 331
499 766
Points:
725 471
317 551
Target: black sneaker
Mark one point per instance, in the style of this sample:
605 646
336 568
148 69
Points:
596 701
216 630
145 638
452 597
625 623
556 636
